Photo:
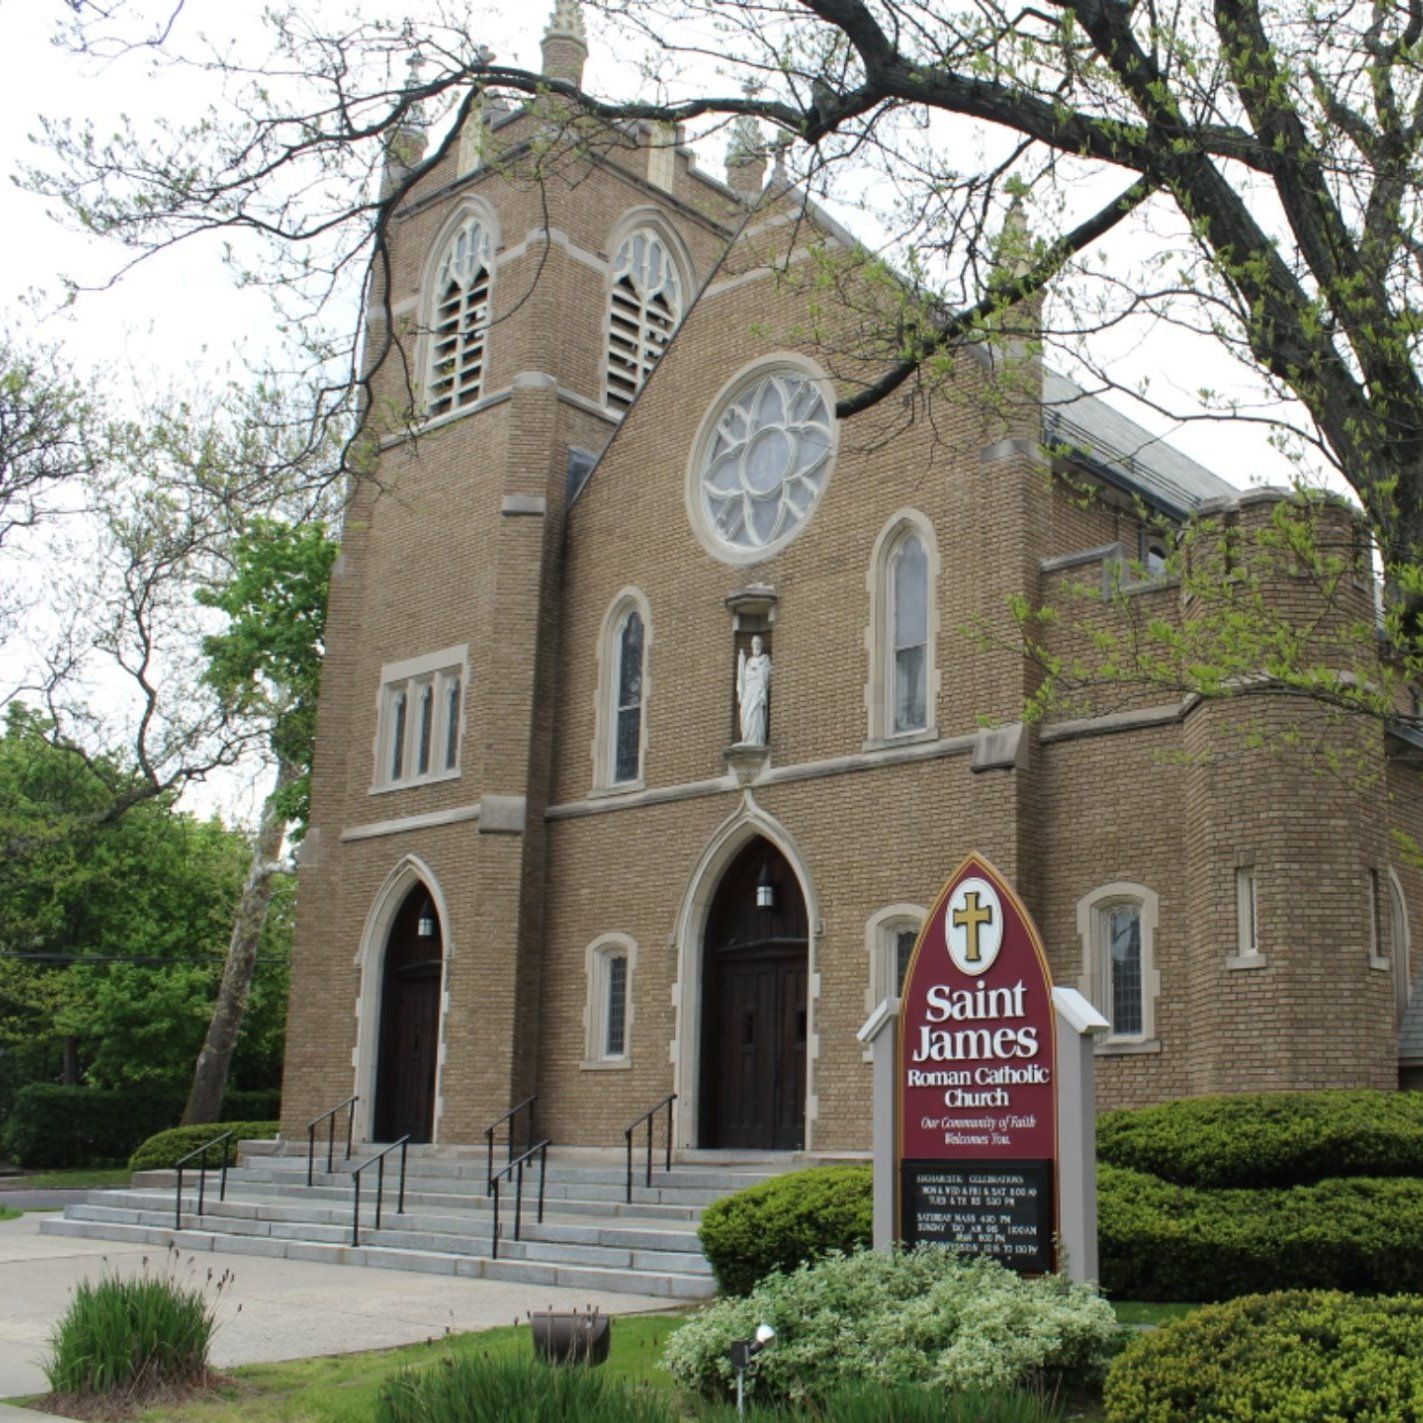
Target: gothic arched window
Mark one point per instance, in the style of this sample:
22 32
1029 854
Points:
644 307
620 735
903 688
458 320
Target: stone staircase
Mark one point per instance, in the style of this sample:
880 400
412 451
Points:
591 1236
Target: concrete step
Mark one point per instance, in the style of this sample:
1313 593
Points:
291 1218
461 1196
403 1255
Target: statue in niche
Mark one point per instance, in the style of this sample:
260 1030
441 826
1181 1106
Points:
753 684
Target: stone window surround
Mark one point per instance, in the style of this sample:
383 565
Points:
605 723
791 362
1375 889
597 957
880 931
468 207
1091 928
652 219
434 669
879 635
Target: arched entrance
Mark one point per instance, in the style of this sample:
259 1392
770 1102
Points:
754 1011
408 1051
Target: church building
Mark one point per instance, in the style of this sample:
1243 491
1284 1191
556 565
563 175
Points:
659 702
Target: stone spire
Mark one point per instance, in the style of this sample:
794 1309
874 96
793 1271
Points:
405 144
746 157
565 42
1015 242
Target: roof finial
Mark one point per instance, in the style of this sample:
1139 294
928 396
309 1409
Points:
565 42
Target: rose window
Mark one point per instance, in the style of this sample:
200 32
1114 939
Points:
766 462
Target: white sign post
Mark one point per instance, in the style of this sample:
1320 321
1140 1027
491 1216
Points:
1078 1024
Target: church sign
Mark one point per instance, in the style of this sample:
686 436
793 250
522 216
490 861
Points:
977 1120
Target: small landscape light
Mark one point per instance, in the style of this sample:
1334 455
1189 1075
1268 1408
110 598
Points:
743 1354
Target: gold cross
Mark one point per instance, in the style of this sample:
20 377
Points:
969 918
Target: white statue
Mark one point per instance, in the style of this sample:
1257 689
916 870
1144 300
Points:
753 682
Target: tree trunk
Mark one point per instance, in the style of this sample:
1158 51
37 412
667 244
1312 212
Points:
70 1072
210 1074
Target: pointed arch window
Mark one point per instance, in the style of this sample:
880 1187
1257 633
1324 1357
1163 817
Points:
627 754
611 962
459 321
1118 924
902 690
620 736
644 307
909 627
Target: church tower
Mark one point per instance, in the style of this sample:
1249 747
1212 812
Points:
535 278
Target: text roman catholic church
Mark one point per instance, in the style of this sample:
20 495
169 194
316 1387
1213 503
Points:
546 857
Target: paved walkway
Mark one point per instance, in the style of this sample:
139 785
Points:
291 1309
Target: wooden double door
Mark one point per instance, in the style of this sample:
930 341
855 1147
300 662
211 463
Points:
754 1019
409 1024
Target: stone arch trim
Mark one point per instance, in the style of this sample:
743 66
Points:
647 215
370 959
747 822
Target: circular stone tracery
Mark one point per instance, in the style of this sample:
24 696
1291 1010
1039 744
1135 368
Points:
766 462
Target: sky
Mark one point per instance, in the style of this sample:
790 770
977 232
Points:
182 318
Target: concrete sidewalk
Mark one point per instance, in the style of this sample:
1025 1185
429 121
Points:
291 1309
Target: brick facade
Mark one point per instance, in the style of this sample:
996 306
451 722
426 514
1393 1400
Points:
466 538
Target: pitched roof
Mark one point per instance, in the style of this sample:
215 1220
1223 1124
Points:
1123 452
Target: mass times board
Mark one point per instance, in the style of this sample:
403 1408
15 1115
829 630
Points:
977 1121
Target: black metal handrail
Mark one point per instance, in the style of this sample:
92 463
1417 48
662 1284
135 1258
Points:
498 1122
516 1166
202 1152
379 1157
648 1117
329 1116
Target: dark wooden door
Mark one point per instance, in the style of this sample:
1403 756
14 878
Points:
754 1014
409 1026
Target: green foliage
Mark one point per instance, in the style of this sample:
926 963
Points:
114 916
7 1214
1285 1358
882 1319
784 1222
1161 1241
130 1337
267 663
166 1147
1269 1138
481 1389
909 1404
52 1125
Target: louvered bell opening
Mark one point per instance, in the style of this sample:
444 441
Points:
624 338
444 353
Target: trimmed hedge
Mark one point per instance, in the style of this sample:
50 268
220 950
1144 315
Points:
164 1149
784 1222
1165 1242
1296 1357
1268 1138
56 1126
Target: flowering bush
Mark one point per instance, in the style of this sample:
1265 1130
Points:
924 1316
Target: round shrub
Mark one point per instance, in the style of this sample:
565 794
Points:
1296 1357
781 1223
1160 1241
1268 1138
166 1147
884 1319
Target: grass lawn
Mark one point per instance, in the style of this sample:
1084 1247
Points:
81 1178
7 1214
342 1388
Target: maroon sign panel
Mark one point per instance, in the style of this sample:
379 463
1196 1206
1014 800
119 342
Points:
977 1137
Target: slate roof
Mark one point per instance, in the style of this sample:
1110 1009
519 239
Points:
1123 452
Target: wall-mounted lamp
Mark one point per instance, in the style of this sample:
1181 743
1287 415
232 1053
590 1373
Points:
425 927
765 888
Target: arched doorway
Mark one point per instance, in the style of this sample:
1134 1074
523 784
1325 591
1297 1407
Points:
754 1010
408 1051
